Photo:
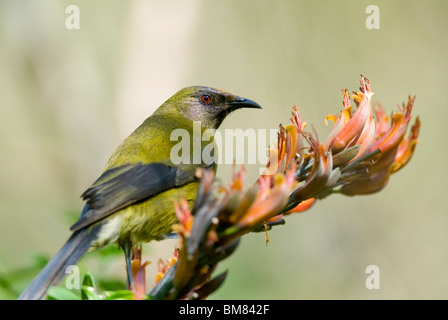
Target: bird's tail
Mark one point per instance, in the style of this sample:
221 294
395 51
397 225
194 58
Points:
55 270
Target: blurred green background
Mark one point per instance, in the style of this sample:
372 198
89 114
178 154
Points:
69 97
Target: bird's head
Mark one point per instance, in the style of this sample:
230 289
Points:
205 104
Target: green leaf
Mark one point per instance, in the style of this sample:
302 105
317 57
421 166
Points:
89 293
88 280
59 293
119 295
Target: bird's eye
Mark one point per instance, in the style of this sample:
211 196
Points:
206 99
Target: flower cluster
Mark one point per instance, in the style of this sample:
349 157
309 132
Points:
358 156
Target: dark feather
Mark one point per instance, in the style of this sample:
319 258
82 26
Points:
120 187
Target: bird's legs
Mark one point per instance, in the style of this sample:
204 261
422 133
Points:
127 249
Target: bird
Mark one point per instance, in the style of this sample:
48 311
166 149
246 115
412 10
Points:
132 201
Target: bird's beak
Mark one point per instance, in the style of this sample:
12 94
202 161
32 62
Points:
240 102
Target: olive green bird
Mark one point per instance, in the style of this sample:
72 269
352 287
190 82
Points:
132 201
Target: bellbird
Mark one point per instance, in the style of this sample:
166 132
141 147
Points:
132 200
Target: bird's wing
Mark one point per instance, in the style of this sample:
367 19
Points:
120 187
